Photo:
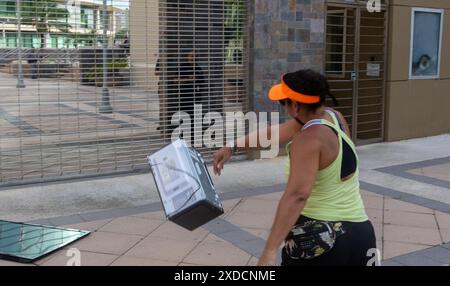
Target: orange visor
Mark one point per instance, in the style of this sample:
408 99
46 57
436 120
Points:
283 91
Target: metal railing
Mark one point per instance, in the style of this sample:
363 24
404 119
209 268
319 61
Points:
54 128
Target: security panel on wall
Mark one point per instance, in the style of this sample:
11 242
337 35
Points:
184 185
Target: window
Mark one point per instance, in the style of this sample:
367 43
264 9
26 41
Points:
2 41
8 8
54 42
426 38
87 18
336 42
27 41
59 42
11 40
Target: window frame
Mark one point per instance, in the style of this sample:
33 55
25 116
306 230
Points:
343 71
413 16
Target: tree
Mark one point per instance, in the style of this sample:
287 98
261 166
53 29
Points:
45 15
90 39
234 29
122 34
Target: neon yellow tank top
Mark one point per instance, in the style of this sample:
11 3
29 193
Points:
331 198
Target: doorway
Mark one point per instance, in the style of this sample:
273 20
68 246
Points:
356 65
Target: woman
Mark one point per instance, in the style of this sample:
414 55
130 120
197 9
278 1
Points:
321 217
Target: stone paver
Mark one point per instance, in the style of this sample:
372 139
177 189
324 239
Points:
443 220
380 246
441 172
159 215
378 227
170 230
371 202
410 219
419 260
438 253
253 261
166 249
412 235
139 261
393 249
438 175
188 264
375 215
108 243
406 233
260 232
445 233
217 252
251 220
12 263
432 256
365 193
132 225
391 263
87 259
396 205
89 226
273 196
229 205
258 206
418 171
148 239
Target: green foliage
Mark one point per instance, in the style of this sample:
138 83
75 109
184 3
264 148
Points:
234 18
122 34
90 39
234 29
95 75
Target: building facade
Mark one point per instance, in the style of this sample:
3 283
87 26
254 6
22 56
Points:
83 19
418 82
387 65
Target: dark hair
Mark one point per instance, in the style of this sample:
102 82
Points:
310 82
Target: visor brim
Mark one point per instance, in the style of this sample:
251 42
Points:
276 93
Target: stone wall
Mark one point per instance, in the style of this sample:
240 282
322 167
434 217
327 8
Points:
288 35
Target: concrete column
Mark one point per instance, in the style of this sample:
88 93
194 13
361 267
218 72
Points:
144 42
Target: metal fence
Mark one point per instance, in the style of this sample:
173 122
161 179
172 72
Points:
88 87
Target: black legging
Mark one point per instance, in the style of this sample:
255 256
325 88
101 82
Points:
350 248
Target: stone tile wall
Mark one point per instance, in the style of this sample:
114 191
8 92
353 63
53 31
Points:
288 35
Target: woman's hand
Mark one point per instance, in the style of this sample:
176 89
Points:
268 258
220 157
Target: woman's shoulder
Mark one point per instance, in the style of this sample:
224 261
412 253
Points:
342 121
309 138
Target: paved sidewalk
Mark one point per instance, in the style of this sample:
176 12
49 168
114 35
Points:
405 188
238 236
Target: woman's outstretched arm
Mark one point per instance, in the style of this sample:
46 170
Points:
286 130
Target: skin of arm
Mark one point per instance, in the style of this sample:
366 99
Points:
305 155
287 131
